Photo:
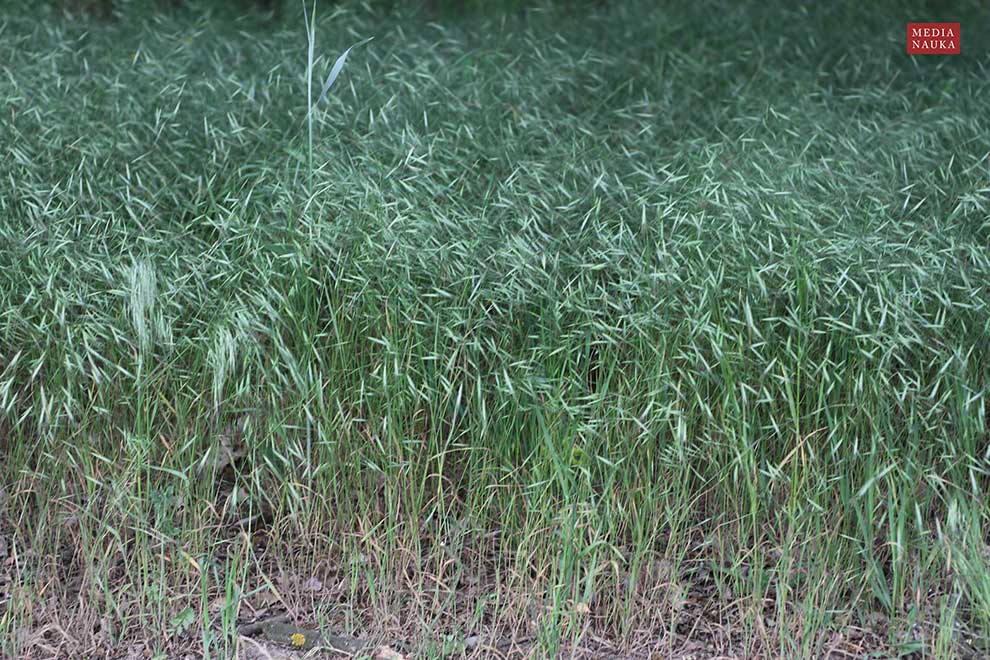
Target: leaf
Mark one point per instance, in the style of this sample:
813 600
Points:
309 26
335 71
183 620
305 18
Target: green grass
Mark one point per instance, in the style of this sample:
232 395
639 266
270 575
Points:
661 331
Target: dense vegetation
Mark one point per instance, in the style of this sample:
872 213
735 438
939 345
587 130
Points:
603 329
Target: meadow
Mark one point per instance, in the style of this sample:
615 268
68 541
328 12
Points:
628 330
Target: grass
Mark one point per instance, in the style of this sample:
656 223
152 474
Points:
663 332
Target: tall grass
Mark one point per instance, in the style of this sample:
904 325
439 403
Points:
309 18
641 334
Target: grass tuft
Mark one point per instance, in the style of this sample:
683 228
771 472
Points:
621 329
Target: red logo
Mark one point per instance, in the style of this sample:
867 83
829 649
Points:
933 38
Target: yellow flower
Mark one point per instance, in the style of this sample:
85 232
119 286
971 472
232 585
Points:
297 639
